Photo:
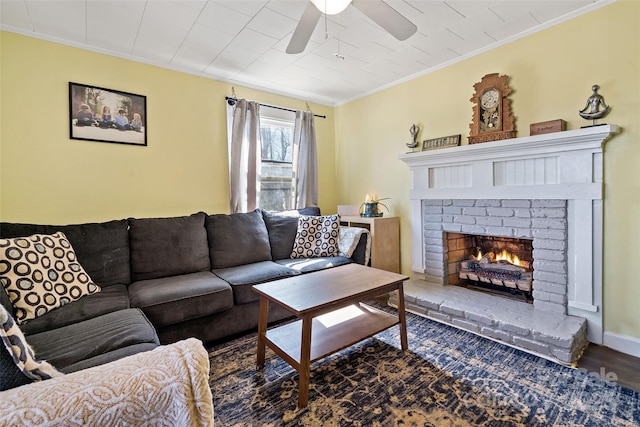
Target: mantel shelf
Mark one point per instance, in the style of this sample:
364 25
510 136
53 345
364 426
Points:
590 138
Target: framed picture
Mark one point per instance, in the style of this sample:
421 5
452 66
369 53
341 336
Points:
107 115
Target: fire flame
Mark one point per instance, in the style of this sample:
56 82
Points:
506 256
502 256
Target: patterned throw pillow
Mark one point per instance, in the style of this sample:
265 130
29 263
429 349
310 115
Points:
40 273
15 344
317 236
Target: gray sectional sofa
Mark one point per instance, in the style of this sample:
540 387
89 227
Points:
166 279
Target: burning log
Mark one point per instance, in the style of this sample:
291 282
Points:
500 273
503 258
487 258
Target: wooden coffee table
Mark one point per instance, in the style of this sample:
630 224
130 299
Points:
332 315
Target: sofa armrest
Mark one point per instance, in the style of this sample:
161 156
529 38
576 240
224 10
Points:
165 386
362 252
355 243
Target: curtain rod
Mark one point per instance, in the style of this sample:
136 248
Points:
231 100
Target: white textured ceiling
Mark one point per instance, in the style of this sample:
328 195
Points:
244 41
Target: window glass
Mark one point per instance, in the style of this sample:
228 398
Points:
277 152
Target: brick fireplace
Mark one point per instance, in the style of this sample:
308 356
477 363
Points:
543 221
545 188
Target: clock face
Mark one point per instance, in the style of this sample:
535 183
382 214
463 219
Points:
489 99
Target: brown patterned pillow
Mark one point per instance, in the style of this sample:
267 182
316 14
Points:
41 273
317 236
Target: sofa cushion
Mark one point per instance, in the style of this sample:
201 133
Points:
102 248
307 265
74 343
15 344
317 236
110 356
170 300
237 239
282 227
110 299
41 273
241 278
162 247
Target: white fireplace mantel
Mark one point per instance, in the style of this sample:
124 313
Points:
563 166
558 165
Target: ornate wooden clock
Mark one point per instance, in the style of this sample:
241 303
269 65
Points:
492 116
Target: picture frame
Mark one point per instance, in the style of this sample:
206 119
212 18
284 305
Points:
442 142
107 115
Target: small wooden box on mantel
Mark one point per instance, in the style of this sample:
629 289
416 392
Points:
551 126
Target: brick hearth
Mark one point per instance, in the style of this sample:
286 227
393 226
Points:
542 328
554 336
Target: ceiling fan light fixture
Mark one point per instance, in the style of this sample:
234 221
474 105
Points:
331 7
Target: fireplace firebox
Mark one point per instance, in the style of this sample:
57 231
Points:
491 263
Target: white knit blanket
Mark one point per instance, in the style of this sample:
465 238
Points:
167 386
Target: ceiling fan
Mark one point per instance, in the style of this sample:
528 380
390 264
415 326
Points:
379 12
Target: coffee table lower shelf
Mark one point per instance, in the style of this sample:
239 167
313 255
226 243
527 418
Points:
330 332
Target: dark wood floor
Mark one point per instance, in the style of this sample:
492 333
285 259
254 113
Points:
612 365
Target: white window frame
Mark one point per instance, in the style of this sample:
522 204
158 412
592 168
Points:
280 118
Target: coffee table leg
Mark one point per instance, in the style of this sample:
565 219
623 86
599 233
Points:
402 318
305 363
263 318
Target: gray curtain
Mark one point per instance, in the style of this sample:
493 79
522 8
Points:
305 162
245 157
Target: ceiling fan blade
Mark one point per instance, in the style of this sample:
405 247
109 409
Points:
387 17
303 31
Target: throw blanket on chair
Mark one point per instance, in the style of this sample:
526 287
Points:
349 238
167 386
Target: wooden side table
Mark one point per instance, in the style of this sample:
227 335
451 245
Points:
385 239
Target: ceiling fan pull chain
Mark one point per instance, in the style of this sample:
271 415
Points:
337 54
326 25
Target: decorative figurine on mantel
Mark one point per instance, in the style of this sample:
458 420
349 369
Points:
415 130
593 111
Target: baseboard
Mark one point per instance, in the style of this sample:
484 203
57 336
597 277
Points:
622 343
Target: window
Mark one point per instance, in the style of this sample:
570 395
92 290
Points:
276 134
275 186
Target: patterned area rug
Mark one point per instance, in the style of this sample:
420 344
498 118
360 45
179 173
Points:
447 378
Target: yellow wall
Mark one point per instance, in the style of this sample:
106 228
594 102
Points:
46 177
551 73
